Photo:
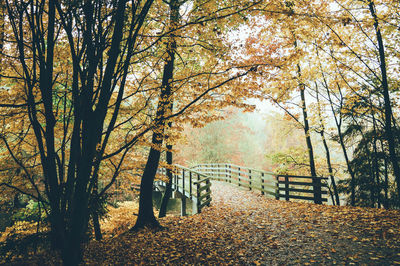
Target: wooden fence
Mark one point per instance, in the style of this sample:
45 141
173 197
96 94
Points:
278 186
299 187
252 179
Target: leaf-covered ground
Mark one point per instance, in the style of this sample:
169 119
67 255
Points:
242 227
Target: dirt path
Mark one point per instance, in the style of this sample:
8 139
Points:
242 227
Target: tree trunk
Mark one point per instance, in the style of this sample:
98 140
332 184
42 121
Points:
327 152
388 108
57 232
146 214
375 160
342 144
316 181
332 195
339 130
2 27
72 252
16 203
77 228
96 225
386 188
168 188
349 169
95 210
328 161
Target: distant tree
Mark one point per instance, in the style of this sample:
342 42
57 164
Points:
239 138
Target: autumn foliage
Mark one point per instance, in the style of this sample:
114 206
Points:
93 94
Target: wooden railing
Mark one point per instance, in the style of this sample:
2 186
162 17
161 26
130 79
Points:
299 187
252 179
292 187
190 184
195 183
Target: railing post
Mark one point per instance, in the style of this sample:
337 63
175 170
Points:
173 186
287 188
249 179
176 179
191 184
183 205
208 190
238 176
277 188
262 184
226 172
317 190
230 174
198 196
183 182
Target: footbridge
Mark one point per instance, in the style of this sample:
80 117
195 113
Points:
195 183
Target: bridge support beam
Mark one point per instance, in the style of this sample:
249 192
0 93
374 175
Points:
195 206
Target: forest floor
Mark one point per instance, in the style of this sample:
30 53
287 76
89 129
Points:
243 227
